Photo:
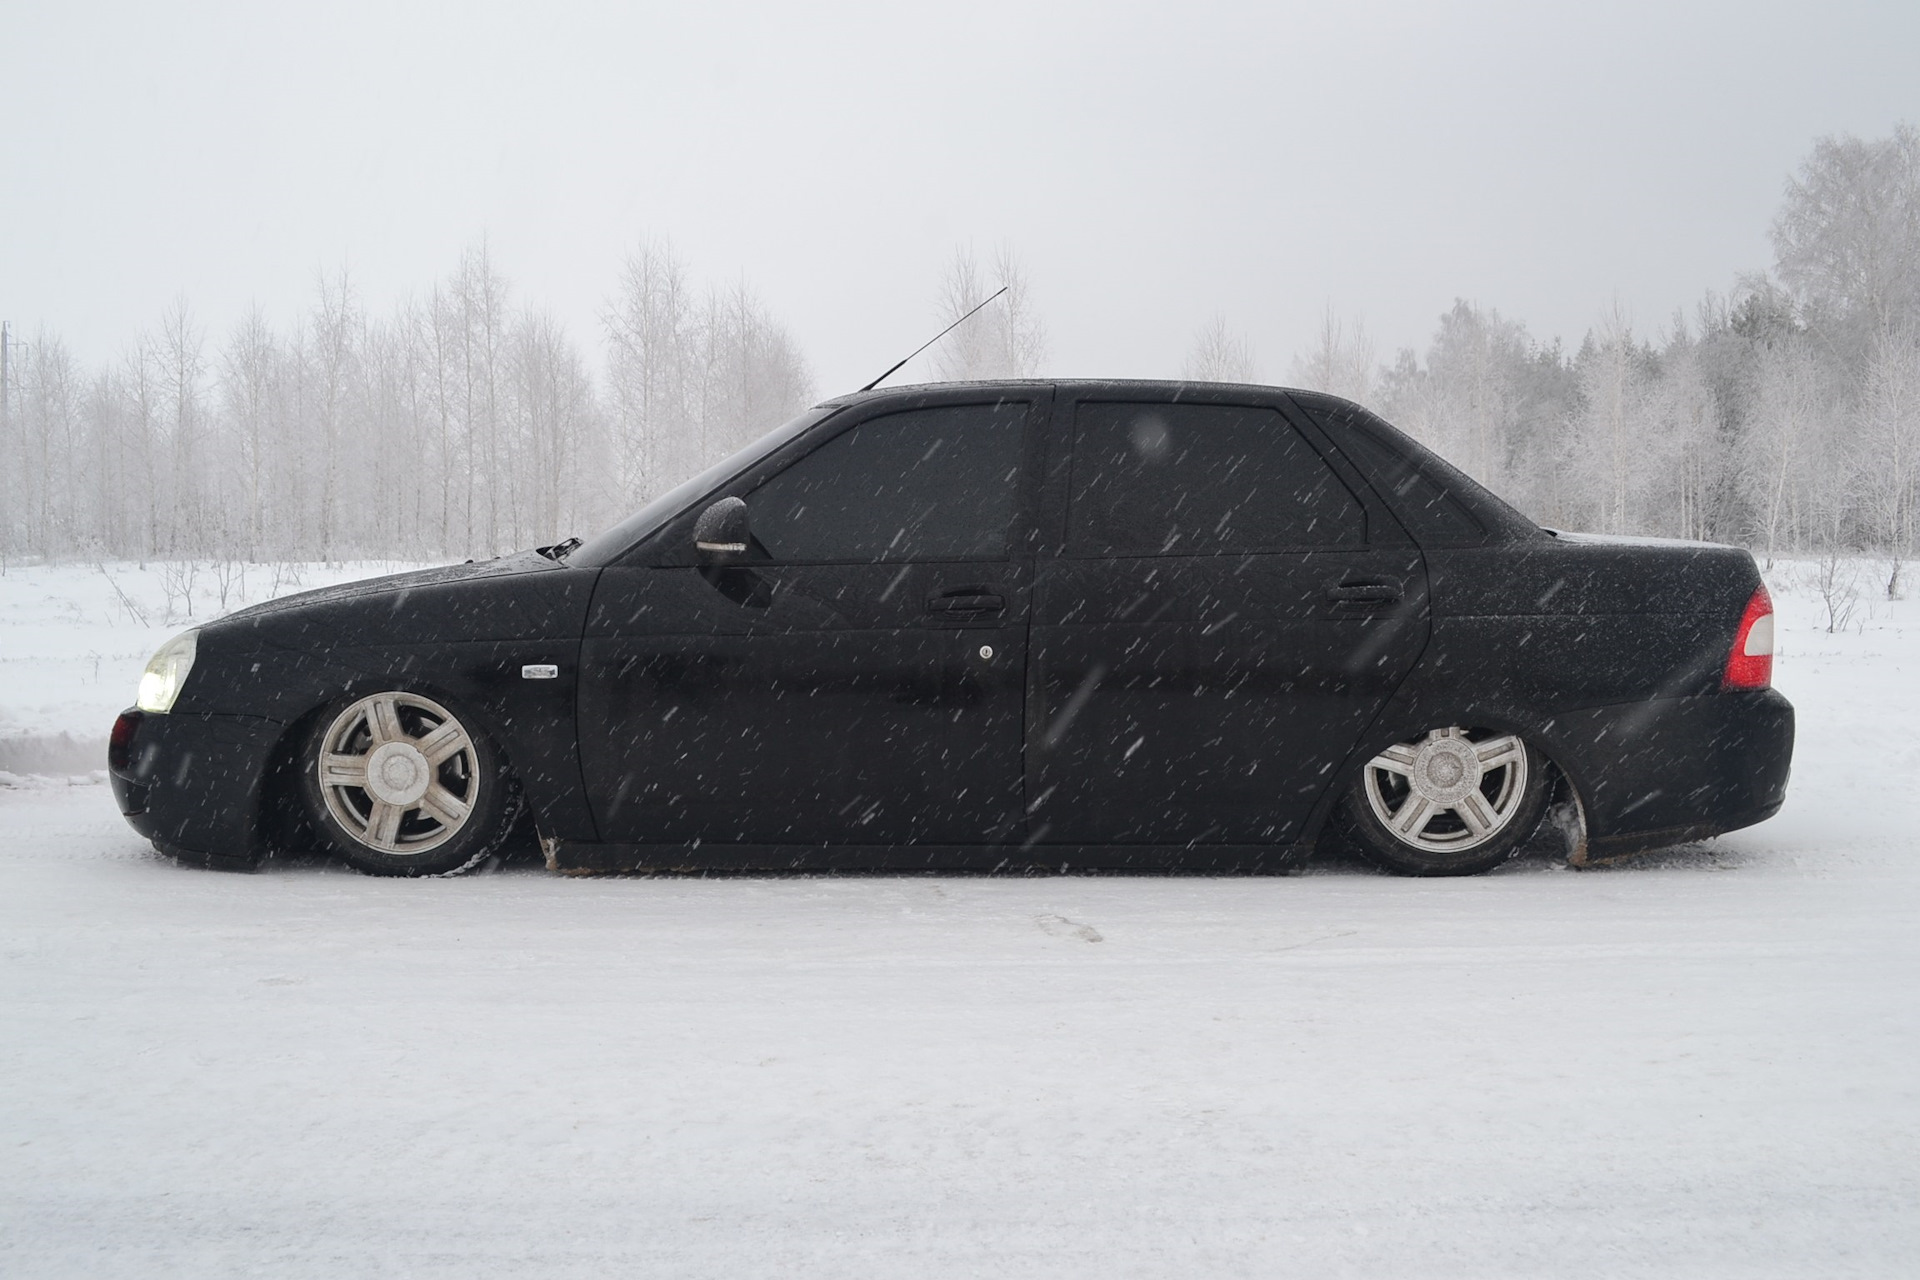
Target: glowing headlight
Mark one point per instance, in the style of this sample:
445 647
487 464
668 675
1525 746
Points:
160 682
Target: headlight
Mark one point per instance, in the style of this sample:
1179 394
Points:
160 683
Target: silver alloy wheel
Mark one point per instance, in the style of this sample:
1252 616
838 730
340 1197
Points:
1448 791
399 773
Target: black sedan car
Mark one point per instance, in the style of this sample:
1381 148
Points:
1023 625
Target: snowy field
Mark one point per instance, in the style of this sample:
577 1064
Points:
74 637
1700 1063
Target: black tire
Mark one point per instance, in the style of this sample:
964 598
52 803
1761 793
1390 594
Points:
397 784
1472 822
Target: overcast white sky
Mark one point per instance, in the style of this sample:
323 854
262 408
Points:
1153 164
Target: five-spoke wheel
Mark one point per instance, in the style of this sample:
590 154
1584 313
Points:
397 785
1450 802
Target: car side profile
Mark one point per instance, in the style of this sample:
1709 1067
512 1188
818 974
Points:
1022 625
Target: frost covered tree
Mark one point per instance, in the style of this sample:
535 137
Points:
1007 339
250 379
1493 400
1610 427
1790 405
43 465
1890 438
177 354
752 374
1340 362
1218 354
652 354
460 424
330 358
1847 241
1681 470
561 452
470 322
691 378
1782 414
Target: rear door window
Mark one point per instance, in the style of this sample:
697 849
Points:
1195 479
927 484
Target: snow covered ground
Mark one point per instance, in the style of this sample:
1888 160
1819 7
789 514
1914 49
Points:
1700 1063
74 637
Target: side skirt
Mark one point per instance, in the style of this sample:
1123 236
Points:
576 857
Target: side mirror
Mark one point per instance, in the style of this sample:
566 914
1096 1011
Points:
721 531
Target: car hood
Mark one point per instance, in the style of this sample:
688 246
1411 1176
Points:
395 583
517 597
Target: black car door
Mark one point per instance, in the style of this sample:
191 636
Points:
859 678
1219 613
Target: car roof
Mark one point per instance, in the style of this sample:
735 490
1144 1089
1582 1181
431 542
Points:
1157 388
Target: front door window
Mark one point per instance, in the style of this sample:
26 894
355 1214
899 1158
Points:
929 484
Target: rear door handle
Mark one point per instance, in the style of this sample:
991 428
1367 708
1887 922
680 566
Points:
1364 593
967 603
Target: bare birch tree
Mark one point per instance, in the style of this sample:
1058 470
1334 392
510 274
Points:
1218 354
1341 361
1790 406
1890 421
1007 339
1610 422
652 348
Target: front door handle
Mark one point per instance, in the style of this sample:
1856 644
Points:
1364 593
968 602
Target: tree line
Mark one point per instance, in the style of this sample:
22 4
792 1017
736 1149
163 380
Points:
461 423
1783 414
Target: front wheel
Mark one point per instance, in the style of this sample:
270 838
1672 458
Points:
1452 802
397 785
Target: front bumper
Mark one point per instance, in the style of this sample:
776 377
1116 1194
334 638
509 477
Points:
194 784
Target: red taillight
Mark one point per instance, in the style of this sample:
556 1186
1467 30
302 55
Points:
1750 665
120 741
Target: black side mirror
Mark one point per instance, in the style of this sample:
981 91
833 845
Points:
721 531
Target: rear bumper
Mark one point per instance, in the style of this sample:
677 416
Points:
1676 769
192 783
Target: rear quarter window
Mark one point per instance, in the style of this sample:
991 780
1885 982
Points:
1421 487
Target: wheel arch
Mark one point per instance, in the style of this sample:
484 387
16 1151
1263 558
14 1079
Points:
1566 780
281 818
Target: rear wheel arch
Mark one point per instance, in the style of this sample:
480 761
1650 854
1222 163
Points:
1565 788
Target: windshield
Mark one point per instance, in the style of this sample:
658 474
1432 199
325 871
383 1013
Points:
605 547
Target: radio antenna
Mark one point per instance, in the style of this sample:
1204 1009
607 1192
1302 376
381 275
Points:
935 338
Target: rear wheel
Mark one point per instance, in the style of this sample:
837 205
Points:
397 785
1452 802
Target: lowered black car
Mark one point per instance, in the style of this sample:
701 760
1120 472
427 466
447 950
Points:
1014 625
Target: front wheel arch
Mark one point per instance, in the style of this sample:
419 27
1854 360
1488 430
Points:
293 814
